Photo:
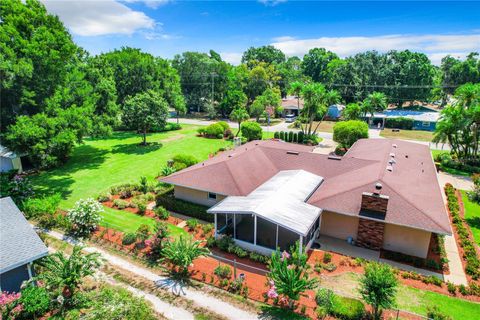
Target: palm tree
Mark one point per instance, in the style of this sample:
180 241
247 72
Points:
352 111
66 273
374 102
181 252
296 88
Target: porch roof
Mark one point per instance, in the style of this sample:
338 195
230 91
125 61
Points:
281 200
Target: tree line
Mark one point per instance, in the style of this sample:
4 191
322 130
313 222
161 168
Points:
54 93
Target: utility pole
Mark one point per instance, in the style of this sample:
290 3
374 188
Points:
213 84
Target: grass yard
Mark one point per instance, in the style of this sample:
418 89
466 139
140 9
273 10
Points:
99 164
129 222
407 135
454 171
408 298
325 126
472 216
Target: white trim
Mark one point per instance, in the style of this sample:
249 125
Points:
255 230
24 262
215 233
29 269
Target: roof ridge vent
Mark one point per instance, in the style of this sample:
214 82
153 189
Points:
390 168
296 153
334 157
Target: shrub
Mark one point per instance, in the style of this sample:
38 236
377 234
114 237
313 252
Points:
184 207
207 228
346 133
276 135
211 242
223 272
282 135
432 280
85 216
167 170
181 252
192 224
463 290
290 136
162 213
327 257
399 123
143 232
321 312
295 137
224 242
214 130
235 286
35 301
224 125
141 207
240 252
36 207
129 238
186 159
104 197
330 267
347 308
120 204
451 288
301 137
251 131
433 313
324 298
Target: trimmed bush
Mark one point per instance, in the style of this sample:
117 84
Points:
295 137
214 130
104 197
224 125
162 213
223 272
170 203
290 136
129 238
276 135
327 257
186 159
399 123
251 131
120 204
301 137
346 133
347 308
282 135
192 224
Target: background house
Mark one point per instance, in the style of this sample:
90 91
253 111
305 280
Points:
9 160
290 105
334 112
19 247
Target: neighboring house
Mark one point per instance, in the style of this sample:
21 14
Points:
382 194
334 112
426 121
9 160
291 105
20 246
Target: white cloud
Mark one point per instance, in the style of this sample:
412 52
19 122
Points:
271 3
231 57
153 4
96 18
283 39
432 45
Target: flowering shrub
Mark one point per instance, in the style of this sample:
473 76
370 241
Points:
35 301
15 186
9 305
85 216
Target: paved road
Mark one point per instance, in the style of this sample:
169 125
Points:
283 126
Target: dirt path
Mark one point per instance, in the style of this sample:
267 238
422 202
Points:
198 297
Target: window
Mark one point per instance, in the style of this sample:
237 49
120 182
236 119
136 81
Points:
426 124
212 196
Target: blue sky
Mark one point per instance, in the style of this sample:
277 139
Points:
165 28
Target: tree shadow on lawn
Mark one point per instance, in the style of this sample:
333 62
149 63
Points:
473 222
271 312
135 148
59 180
175 282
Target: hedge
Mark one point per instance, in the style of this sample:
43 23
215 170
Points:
169 202
399 123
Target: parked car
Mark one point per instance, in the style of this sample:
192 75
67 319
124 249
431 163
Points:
290 118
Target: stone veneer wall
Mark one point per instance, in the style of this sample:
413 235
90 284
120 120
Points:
370 234
374 202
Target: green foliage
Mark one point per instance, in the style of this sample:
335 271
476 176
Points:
347 308
118 303
182 252
162 213
85 216
184 207
399 123
353 111
251 131
143 186
214 131
239 115
233 99
129 238
325 299
120 204
374 102
35 301
288 273
15 186
315 64
186 159
145 110
378 287
327 257
268 54
433 313
223 272
167 170
36 207
346 133
104 197
143 232
192 224
65 274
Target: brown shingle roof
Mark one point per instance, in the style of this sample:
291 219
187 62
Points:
415 196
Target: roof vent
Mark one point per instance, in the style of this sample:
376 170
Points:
389 168
334 157
231 155
378 186
392 161
394 145
293 152
392 155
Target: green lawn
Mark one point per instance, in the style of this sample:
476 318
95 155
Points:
472 216
129 222
457 172
98 164
407 134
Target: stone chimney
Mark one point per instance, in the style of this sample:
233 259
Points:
374 204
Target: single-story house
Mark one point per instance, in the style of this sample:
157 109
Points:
292 105
426 121
20 246
335 111
9 160
382 194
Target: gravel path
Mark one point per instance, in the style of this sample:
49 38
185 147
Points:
198 297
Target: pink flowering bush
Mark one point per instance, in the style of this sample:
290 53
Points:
9 304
